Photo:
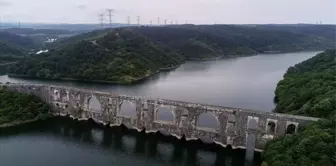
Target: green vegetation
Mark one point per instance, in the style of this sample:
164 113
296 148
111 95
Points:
307 89
13 47
280 38
17 41
123 56
19 107
194 44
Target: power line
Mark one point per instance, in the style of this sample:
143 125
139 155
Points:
101 18
110 11
138 20
129 20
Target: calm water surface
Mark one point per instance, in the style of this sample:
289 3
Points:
247 82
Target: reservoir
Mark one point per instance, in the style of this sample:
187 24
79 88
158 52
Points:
247 82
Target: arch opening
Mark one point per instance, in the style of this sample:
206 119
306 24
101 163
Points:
271 127
290 129
165 114
145 106
231 118
94 104
207 120
252 124
128 109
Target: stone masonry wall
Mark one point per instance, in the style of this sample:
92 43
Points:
233 129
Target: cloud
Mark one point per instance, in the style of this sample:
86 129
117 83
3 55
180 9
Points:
82 7
5 3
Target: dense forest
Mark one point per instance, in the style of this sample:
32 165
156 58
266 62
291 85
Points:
13 47
19 107
124 55
121 57
265 38
17 40
193 44
307 89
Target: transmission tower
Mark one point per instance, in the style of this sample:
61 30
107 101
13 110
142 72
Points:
158 19
165 21
110 14
138 20
101 19
129 20
171 22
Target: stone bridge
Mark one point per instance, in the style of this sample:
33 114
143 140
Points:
235 127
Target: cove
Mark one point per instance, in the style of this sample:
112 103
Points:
247 82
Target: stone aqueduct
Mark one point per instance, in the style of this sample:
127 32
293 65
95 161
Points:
234 125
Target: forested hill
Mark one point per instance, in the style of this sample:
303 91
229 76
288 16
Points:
13 47
128 54
307 89
121 56
280 38
213 41
194 44
16 108
16 40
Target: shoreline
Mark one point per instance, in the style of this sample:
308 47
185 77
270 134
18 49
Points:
16 123
167 69
98 81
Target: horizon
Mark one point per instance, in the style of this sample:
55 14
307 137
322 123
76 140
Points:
116 23
191 11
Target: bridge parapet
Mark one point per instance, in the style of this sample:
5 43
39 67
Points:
234 126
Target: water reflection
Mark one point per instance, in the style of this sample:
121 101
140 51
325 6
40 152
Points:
247 82
137 147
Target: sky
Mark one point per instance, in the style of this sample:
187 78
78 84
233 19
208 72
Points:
194 11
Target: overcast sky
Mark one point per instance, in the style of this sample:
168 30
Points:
195 11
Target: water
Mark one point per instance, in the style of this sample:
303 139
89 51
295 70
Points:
247 82
66 142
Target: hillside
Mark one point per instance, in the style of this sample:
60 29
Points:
307 89
19 107
17 41
193 44
123 56
201 42
324 31
13 48
263 38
